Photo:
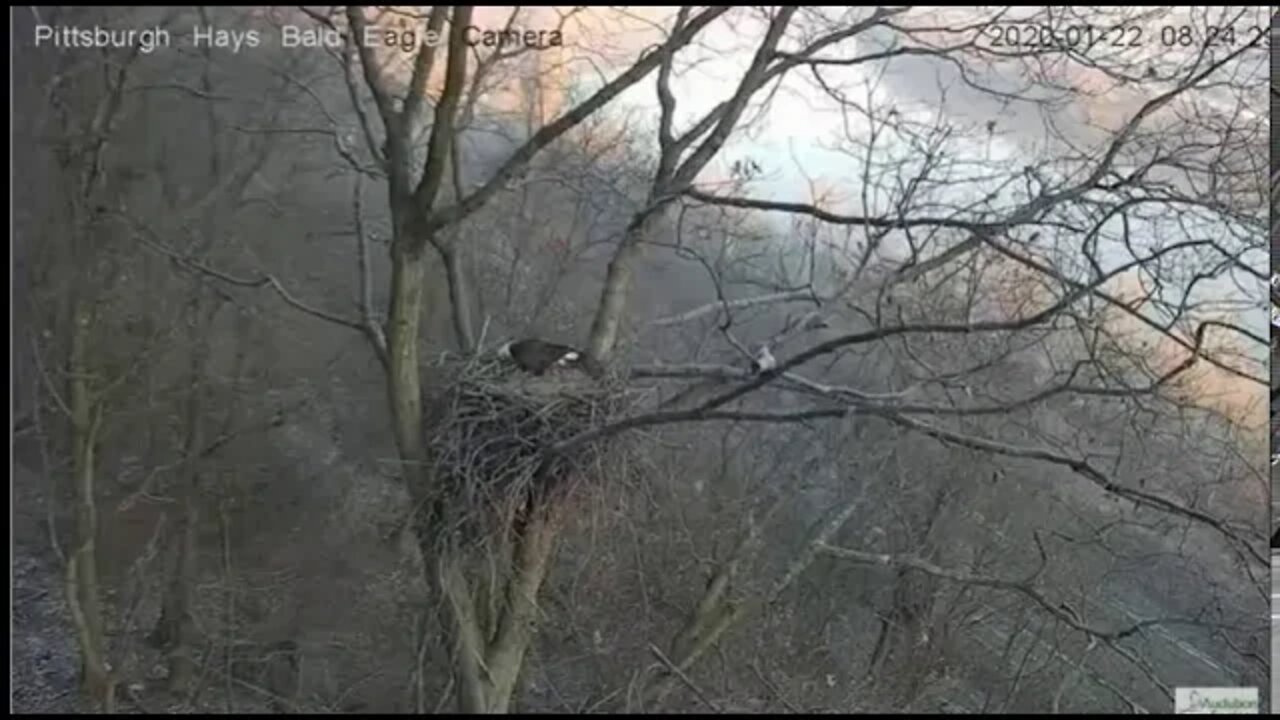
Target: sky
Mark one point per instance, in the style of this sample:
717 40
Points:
792 139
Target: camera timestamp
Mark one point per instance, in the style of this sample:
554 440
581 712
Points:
1086 37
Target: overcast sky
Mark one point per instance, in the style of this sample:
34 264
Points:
791 139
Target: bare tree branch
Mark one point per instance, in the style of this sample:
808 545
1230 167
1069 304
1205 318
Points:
564 123
442 130
709 308
267 280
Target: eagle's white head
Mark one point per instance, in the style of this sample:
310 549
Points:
504 351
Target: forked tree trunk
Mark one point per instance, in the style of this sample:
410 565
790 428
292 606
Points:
490 645
491 651
493 692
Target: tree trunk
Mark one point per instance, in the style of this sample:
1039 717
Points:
607 324
459 298
82 563
489 669
404 385
176 631
518 622
715 613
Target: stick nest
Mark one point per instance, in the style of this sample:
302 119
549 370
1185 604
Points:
491 428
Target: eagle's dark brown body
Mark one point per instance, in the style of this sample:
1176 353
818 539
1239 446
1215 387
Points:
538 356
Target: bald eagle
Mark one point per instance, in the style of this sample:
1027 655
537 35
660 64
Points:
537 356
763 361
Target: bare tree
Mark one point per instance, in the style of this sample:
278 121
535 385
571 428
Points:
418 223
84 115
921 270
1052 198
946 428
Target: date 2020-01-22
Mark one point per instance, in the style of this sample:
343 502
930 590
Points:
1084 37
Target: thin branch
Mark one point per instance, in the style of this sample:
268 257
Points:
372 329
349 69
569 120
829 346
1057 609
667 102
372 75
442 129
756 76
276 420
774 689
415 101
264 281
671 667
709 308
50 385
1085 469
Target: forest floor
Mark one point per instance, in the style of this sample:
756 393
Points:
43 674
